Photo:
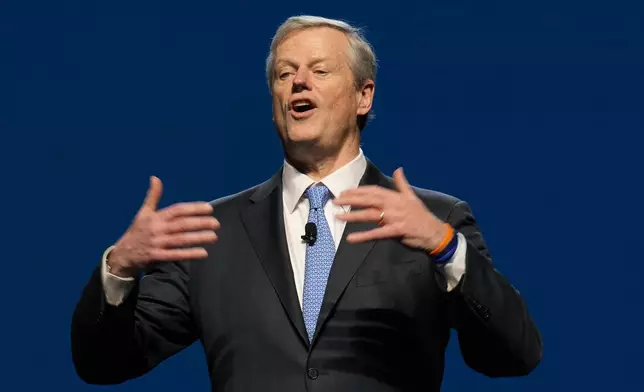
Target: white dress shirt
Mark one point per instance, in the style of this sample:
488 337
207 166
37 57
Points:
296 212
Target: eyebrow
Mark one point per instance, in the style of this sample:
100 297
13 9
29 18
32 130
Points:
294 64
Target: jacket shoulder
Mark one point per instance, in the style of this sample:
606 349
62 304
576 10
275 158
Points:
441 204
233 199
246 196
432 196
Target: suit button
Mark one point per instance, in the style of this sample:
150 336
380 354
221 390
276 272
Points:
312 373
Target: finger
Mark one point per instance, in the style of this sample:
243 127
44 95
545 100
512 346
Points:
364 200
366 215
401 181
179 240
154 193
179 254
374 234
179 225
186 209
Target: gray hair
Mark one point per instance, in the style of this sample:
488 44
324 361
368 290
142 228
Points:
362 58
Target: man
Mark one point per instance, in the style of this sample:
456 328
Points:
329 276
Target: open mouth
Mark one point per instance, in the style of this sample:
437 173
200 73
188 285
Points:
302 107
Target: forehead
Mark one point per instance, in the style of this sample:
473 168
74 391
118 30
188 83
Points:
313 43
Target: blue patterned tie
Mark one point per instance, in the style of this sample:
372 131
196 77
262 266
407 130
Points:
319 258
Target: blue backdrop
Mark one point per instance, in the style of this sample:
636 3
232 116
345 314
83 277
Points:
529 110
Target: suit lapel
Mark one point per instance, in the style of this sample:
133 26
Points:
349 256
264 223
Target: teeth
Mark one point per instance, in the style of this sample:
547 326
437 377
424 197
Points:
302 105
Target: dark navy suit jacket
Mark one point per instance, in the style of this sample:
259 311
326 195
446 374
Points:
384 324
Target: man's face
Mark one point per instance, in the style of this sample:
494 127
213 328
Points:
315 100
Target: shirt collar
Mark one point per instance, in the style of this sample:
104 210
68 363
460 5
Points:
294 183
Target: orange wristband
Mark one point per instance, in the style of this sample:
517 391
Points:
446 240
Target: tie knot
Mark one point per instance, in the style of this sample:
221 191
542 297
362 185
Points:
318 196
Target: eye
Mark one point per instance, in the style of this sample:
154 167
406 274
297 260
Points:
321 72
284 75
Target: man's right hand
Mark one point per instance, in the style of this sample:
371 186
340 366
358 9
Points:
175 233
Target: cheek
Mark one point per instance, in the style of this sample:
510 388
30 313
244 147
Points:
278 107
343 102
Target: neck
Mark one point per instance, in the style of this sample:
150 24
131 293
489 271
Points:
317 162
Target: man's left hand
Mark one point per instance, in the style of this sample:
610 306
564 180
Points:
400 214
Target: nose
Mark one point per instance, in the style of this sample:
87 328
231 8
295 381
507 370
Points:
301 80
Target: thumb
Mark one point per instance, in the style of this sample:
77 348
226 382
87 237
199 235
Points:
401 182
154 193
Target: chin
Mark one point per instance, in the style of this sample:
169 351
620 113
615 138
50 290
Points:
303 133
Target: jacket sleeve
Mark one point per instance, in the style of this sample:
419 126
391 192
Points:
112 344
497 336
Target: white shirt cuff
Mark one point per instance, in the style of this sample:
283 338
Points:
454 268
115 287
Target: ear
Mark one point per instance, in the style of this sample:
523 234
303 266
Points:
365 97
